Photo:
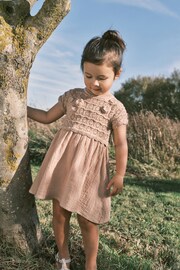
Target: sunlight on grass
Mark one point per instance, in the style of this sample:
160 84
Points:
143 232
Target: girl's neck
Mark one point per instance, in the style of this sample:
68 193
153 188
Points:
101 95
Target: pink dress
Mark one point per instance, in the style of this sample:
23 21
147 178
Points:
75 168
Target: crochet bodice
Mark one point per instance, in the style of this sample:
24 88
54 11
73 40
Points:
90 115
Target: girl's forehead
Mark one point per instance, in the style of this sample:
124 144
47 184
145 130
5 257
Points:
97 69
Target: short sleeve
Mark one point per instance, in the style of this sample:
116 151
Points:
62 100
120 116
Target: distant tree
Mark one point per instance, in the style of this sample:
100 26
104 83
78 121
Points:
21 37
131 93
162 96
156 94
175 79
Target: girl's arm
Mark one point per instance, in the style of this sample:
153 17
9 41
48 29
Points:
45 117
121 155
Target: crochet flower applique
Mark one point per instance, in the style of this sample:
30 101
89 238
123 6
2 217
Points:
106 108
78 103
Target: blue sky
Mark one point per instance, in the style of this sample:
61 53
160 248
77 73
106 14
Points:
150 28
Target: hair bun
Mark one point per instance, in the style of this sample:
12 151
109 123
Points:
113 35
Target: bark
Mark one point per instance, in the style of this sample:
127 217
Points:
21 37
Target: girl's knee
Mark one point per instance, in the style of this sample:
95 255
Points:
59 213
84 223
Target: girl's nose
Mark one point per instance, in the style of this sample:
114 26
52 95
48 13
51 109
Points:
96 82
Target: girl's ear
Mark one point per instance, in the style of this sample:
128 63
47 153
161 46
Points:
118 74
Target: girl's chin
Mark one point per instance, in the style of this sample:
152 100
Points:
96 92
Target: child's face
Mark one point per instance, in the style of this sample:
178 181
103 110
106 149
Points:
99 78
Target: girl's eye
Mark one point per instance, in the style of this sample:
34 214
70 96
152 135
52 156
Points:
98 78
101 79
88 76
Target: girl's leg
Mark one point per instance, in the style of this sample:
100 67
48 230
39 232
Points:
90 234
61 218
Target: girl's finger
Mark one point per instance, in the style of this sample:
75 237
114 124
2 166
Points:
109 185
114 192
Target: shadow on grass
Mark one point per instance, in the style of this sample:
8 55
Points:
156 185
107 260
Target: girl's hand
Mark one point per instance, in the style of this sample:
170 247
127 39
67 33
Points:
116 184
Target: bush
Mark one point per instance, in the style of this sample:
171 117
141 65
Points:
152 140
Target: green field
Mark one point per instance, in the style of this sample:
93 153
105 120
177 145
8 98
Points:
143 232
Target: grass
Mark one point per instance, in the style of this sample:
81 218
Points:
143 233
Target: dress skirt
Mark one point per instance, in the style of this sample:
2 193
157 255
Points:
75 172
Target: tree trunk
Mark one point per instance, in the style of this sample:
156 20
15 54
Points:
21 37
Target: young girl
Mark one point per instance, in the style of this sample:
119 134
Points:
74 173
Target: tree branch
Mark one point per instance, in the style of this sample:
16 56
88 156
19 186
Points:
48 18
32 2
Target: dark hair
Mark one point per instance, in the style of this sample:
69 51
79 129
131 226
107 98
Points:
108 48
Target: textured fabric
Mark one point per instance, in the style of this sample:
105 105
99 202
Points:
75 168
93 116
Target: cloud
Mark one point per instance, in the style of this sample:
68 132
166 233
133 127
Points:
55 70
152 5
